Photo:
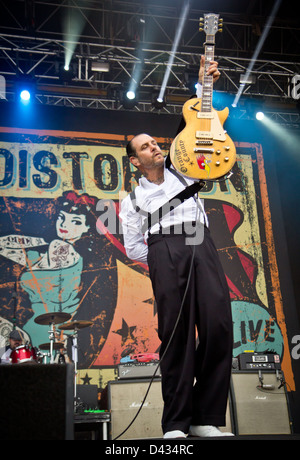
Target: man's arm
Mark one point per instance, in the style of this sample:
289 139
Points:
211 70
134 243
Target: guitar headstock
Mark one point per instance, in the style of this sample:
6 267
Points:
211 24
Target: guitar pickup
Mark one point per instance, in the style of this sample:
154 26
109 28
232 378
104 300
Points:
204 135
204 142
206 115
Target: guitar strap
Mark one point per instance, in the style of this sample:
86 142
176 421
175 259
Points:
156 216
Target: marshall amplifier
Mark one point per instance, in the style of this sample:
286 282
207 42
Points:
259 361
125 398
259 402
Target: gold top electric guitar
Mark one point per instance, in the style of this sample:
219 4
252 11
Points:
203 150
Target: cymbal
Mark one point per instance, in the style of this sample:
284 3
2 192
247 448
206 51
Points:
55 318
75 325
56 346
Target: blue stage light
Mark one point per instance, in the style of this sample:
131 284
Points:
25 95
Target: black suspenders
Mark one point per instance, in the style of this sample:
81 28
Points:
156 216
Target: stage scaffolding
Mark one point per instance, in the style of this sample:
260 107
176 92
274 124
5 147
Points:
125 34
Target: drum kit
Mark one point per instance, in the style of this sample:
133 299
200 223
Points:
32 355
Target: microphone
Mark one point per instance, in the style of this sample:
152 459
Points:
282 383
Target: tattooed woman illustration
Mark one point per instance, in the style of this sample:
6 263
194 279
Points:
61 276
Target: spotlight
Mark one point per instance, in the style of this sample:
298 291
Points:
66 76
25 95
158 101
130 95
129 99
25 90
260 116
66 72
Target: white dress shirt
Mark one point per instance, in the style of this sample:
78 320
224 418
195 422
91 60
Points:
149 198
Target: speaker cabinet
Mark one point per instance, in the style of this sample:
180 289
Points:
256 410
125 398
37 402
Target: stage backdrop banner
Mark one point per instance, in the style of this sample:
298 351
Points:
58 253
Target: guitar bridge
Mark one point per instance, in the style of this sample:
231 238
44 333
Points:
203 150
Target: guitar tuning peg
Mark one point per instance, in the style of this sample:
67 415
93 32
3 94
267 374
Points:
201 19
220 30
201 29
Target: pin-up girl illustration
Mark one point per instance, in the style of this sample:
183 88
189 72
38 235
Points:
59 275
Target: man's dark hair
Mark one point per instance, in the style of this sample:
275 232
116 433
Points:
130 150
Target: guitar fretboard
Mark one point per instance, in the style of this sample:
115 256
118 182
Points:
207 88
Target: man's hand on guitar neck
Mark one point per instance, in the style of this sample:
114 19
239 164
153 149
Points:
211 70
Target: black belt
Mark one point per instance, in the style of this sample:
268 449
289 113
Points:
186 229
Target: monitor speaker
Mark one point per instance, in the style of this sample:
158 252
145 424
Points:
124 400
259 403
37 402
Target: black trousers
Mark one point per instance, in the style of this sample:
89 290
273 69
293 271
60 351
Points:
195 370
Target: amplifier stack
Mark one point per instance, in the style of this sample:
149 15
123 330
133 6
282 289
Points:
257 402
258 395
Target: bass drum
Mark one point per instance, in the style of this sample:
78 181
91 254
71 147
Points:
24 354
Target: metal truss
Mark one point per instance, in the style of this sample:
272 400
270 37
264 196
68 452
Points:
130 36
